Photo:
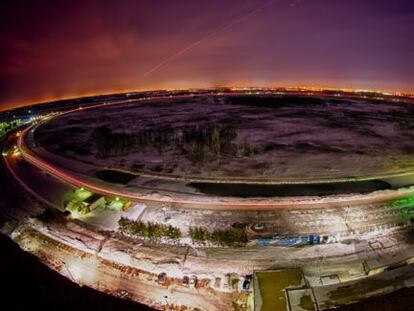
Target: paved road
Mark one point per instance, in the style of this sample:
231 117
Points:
14 204
345 215
205 202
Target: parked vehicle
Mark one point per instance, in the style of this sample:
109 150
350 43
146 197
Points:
193 281
162 277
311 239
246 283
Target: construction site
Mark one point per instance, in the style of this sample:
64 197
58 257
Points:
223 201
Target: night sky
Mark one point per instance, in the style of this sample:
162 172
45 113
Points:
56 49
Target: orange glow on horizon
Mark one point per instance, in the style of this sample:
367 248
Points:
235 86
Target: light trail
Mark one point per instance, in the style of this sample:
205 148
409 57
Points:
206 204
209 36
222 204
26 187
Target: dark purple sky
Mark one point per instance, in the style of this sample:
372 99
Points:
52 49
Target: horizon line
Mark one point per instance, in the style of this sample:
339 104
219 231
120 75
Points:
31 103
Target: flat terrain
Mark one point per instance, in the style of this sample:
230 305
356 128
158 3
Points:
272 284
260 138
123 267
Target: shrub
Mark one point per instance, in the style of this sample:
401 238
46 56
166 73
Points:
148 230
227 237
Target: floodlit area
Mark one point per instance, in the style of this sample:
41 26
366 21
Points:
83 202
220 208
237 155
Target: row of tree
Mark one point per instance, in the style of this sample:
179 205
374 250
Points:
148 230
225 237
198 142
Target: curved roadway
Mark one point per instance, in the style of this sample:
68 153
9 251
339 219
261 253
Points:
202 202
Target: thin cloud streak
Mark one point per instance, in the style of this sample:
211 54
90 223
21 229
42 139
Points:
209 36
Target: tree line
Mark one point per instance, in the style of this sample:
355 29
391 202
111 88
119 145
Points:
198 142
148 230
224 237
